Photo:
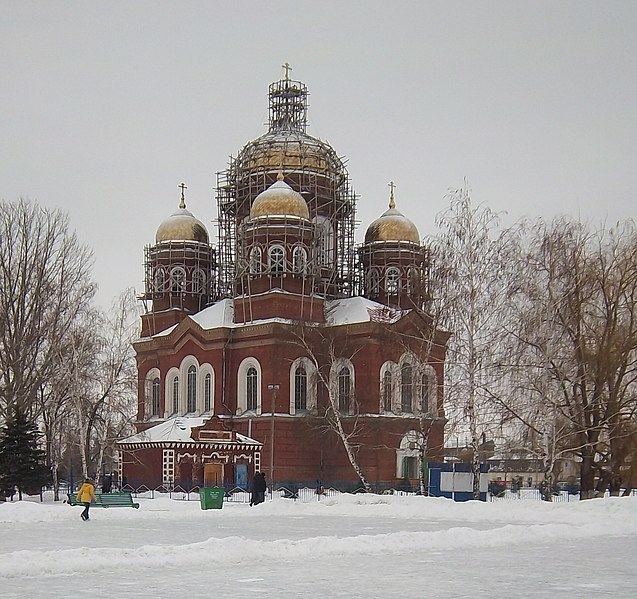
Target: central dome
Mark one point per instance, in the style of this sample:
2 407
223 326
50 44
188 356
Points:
279 200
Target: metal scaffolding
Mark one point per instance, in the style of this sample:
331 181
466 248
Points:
311 167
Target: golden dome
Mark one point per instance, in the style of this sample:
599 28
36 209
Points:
279 200
182 226
392 225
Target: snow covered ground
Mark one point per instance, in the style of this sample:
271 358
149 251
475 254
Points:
343 546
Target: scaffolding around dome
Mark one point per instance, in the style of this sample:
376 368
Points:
310 167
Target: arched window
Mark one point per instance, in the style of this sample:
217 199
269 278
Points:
373 282
155 396
191 403
300 389
299 260
207 393
344 390
177 279
160 279
255 260
406 388
198 281
387 391
424 393
175 397
276 260
325 236
392 281
251 388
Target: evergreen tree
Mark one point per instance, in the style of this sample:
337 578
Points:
22 462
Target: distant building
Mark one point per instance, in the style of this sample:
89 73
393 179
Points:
245 342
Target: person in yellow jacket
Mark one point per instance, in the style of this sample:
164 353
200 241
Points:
86 495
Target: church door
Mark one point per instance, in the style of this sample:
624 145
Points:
213 475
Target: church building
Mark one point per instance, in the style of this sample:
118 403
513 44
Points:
284 347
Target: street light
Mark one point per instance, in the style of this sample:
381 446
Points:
274 388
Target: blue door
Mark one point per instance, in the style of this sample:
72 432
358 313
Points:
241 476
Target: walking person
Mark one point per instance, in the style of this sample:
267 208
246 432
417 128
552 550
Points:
258 488
86 495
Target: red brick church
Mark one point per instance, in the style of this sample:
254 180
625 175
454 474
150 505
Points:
284 347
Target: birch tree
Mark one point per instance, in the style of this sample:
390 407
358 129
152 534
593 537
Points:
470 289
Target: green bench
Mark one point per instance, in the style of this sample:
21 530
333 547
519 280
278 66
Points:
106 500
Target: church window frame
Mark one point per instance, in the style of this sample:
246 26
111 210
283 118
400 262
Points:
254 259
175 395
207 392
299 260
325 241
392 281
300 389
311 382
252 378
159 279
150 409
276 259
242 386
387 395
156 396
191 389
177 279
373 282
198 284
342 385
407 388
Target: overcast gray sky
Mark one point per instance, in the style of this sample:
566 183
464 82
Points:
105 107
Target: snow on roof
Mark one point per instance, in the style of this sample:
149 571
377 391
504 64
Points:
338 312
178 428
359 309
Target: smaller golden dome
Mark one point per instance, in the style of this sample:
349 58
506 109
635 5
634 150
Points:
279 200
182 226
392 225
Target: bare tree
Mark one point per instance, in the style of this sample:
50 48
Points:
324 348
579 324
470 289
44 285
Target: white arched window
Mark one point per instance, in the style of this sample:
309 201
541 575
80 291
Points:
159 279
300 389
427 390
177 279
392 281
152 390
325 237
191 390
342 385
249 386
373 282
276 260
255 260
299 260
198 281
252 380
302 386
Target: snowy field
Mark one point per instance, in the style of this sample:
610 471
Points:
343 546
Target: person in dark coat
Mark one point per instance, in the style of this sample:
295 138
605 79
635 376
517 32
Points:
258 488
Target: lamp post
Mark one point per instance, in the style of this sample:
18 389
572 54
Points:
273 388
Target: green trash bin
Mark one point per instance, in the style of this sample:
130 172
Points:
211 498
